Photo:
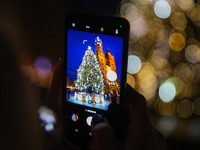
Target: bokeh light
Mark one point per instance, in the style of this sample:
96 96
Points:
167 91
190 91
177 41
162 76
179 21
162 9
192 53
124 9
134 64
46 115
43 66
178 83
182 32
129 11
194 15
153 103
49 127
155 25
149 93
147 81
184 71
185 4
165 37
147 72
159 59
167 109
185 109
166 125
138 28
130 80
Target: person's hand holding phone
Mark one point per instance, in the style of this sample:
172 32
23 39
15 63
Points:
140 133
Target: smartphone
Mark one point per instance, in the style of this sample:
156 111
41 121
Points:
96 51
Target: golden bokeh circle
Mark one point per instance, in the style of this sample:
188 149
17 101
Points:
167 109
179 21
185 108
177 41
130 80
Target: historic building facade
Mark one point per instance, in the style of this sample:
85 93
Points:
107 63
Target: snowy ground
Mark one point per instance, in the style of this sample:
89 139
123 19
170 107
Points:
103 105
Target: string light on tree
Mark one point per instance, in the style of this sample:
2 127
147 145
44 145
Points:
89 76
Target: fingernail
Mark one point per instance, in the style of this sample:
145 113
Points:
97 119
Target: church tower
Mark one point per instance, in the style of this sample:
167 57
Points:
106 64
101 57
98 45
110 61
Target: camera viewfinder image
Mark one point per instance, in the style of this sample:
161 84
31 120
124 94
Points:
93 69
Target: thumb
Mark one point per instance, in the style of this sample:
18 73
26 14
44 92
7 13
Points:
103 136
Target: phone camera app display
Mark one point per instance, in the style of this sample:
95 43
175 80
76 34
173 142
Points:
94 63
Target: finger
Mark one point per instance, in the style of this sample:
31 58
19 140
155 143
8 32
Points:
140 132
103 136
54 93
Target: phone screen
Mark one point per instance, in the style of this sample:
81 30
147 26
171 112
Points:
94 68
96 50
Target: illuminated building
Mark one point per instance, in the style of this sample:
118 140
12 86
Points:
107 63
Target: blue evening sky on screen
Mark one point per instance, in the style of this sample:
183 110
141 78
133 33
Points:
76 49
